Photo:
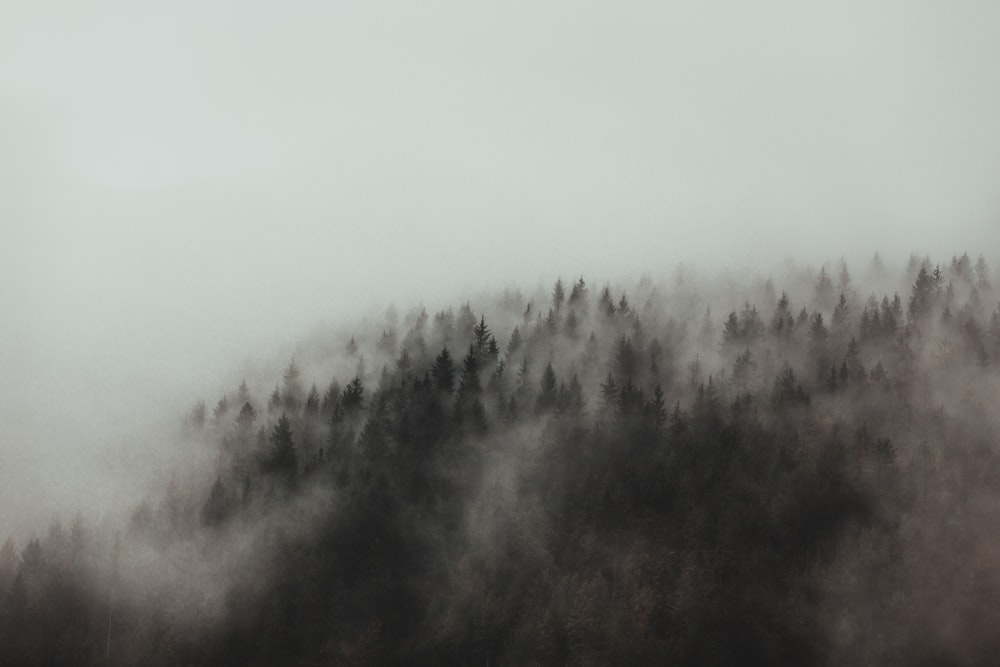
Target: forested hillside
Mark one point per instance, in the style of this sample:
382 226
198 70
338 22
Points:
708 469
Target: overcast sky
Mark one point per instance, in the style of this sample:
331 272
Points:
183 185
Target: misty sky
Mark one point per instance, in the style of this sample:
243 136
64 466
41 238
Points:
181 187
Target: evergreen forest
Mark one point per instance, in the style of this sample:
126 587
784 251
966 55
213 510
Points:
702 469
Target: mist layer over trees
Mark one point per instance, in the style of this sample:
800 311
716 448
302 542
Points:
707 469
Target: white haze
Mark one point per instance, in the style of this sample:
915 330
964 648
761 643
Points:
187 190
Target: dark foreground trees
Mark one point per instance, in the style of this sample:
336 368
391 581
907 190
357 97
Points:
614 492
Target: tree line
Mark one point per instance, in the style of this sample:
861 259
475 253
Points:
584 477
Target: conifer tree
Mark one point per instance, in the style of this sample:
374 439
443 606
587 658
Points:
482 335
282 459
824 290
558 295
732 332
245 419
292 389
242 394
841 313
982 274
922 298
551 323
609 392
657 407
514 344
331 397
274 404
548 389
221 410
469 381
352 399
443 372
312 402
782 321
578 295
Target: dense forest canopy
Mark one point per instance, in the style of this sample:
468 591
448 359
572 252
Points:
697 470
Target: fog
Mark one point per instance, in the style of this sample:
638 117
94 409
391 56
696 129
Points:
188 193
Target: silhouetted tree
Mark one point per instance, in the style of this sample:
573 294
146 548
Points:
443 372
558 294
312 402
352 399
282 458
514 344
824 293
548 390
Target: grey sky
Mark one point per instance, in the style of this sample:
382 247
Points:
183 185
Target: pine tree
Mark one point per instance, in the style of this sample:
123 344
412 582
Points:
923 296
787 390
292 389
609 392
841 313
629 399
523 388
245 419
498 379
514 344
824 290
678 422
707 330
221 410
283 459
982 274
466 324
388 342
625 361
694 372
331 397
751 327
469 382
493 349
548 390
274 404
352 399
551 323
558 294
607 304
782 322
995 333
242 394
578 295
624 309
743 367
844 279
656 408
852 362
404 365
732 332
312 402
482 335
